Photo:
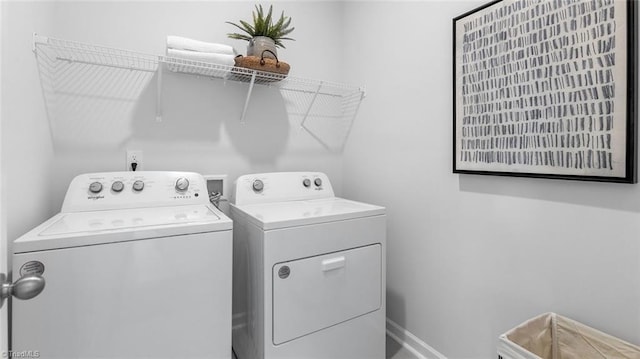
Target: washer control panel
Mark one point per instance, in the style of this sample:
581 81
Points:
281 186
117 190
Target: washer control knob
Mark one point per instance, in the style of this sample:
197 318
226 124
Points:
306 182
95 187
182 184
317 182
117 186
258 185
138 186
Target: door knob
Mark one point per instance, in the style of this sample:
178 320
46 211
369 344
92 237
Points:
24 288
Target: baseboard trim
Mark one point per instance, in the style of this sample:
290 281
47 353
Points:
411 343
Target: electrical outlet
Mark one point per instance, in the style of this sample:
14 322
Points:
134 156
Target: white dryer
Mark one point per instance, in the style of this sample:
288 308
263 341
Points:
309 270
136 264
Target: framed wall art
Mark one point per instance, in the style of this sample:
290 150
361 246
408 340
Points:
546 88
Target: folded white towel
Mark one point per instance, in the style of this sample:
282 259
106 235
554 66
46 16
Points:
220 59
183 43
217 59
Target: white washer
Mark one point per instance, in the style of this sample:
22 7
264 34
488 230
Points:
309 270
137 265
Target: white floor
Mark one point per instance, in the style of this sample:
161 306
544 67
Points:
394 351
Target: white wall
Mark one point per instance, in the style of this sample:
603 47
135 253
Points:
27 150
469 257
26 147
97 113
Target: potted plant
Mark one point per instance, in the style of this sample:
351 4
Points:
264 34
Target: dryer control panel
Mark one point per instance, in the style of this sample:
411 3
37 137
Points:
281 186
120 190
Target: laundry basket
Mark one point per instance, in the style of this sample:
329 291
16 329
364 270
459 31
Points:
552 336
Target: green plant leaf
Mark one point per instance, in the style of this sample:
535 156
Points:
239 36
286 32
258 20
278 25
286 24
264 26
241 28
248 28
267 20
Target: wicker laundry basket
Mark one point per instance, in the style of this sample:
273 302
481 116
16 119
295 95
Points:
552 336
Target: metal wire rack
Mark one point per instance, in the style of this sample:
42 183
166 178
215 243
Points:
306 99
83 53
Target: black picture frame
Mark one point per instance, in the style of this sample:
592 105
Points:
546 89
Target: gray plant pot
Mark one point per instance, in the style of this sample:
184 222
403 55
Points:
258 44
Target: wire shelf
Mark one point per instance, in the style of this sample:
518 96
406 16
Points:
308 99
83 53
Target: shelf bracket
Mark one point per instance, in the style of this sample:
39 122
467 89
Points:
246 102
37 39
159 94
313 100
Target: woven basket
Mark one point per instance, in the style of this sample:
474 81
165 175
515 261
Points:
263 63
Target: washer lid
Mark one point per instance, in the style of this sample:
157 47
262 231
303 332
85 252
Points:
98 227
299 213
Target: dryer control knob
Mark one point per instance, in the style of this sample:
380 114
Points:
306 182
138 186
258 185
117 186
95 187
182 184
317 182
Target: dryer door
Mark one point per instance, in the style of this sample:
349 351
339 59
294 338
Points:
314 293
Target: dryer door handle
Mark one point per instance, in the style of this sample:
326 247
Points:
333 263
